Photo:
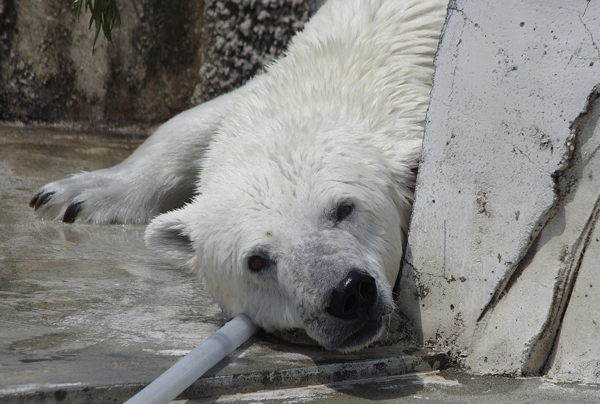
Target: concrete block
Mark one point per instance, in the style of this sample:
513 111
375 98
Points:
510 80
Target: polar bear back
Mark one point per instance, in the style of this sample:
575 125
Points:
375 63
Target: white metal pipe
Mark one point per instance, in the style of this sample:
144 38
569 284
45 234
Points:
206 355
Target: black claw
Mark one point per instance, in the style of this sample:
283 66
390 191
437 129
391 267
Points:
72 212
33 200
40 199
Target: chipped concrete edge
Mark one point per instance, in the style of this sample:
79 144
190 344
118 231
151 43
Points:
353 371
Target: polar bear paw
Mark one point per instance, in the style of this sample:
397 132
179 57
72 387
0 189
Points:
42 199
95 197
54 204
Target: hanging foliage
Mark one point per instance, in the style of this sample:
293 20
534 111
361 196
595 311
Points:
104 15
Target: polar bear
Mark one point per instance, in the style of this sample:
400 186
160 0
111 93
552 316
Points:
290 196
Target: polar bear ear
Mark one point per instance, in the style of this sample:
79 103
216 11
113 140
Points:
169 235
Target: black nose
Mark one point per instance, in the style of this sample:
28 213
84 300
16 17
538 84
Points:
354 295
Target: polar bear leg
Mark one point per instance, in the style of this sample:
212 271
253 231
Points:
160 175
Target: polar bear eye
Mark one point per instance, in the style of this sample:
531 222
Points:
257 263
344 211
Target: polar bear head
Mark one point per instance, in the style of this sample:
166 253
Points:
300 224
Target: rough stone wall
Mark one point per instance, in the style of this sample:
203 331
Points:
151 72
168 55
242 36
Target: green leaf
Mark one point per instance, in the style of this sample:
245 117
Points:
105 14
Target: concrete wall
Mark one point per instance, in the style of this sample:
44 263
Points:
168 56
502 237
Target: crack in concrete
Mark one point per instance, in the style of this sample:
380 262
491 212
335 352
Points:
445 239
451 95
588 30
586 7
591 155
516 148
450 107
452 6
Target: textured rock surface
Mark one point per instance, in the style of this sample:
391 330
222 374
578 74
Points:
242 36
167 57
49 73
497 165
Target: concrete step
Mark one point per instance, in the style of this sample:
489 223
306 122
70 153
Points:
446 387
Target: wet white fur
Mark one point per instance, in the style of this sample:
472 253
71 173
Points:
340 117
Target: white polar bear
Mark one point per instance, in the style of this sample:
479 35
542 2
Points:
292 195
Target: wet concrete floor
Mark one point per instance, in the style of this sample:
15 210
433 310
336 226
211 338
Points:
88 314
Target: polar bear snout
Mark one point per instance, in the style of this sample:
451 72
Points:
353 297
